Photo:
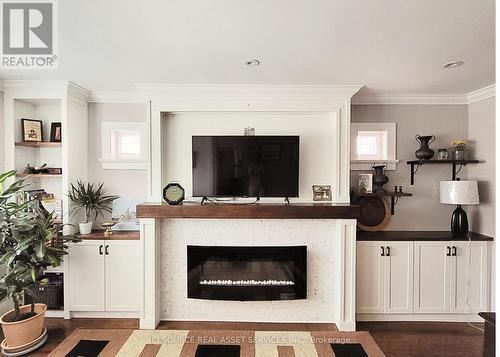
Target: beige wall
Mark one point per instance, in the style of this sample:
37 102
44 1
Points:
482 139
125 183
447 122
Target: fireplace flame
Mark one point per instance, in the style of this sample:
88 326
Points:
250 282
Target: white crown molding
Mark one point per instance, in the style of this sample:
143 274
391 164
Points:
425 99
252 90
47 88
480 94
77 91
119 97
410 99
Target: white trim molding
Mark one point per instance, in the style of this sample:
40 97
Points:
481 94
424 99
410 99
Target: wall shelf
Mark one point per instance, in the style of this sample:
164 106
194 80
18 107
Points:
415 165
38 175
393 195
39 144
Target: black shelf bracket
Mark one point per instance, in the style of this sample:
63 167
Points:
394 201
455 172
414 168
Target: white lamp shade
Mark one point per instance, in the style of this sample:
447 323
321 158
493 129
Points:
459 192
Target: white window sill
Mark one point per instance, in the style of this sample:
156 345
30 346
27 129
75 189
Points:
365 165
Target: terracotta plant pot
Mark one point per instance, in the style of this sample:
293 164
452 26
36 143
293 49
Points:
19 333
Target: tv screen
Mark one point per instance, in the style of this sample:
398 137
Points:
246 166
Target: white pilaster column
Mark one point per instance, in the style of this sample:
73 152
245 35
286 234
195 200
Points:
151 288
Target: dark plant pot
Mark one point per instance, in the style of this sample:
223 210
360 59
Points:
424 152
379 178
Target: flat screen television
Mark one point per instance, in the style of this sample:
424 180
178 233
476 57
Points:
245 166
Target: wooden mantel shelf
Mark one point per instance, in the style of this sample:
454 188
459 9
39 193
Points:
249 211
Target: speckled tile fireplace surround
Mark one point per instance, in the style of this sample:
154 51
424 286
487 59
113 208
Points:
323 238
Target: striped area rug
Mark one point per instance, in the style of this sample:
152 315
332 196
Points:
207 343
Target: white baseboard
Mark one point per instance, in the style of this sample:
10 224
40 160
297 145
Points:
420 317
105 314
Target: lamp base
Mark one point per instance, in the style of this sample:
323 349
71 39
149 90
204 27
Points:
459 223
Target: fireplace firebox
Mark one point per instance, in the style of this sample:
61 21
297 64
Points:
247 273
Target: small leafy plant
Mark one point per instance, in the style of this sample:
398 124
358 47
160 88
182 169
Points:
92 198
29 243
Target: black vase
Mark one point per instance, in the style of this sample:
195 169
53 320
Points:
379 178
424 152
459 223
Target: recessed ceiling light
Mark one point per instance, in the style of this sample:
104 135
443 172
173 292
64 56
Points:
251 62
452 64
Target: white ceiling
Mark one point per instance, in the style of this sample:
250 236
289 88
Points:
390 46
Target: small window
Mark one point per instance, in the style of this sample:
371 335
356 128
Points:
124 145
372 143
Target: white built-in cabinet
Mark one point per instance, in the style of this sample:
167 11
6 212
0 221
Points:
104 276
422 277
451 277
384 277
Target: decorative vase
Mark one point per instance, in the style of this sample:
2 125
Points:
459 154
424 152
85 228
379 177
20 333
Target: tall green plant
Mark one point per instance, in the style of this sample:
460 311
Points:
29 242
93 199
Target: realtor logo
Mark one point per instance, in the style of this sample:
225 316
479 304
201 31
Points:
28 34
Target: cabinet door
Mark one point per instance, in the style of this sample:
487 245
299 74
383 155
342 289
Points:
469 284
431 277
370 277
86 276
123 275
399 277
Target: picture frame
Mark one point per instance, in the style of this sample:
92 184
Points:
32 130
365 183
322 192
55 132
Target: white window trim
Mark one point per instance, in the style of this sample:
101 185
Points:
364 165
109 163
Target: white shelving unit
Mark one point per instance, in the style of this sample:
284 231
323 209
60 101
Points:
48 101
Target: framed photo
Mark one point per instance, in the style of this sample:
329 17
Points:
322 193
124 214
55 132
365 183
32 130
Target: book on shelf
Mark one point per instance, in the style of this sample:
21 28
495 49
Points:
49 202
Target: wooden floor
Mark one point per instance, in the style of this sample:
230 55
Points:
397 339
436 339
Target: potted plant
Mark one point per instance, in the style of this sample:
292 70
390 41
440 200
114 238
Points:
29 243
93 199
459 149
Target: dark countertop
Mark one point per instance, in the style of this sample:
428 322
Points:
417 235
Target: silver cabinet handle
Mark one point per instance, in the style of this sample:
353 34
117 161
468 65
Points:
448 251
388 251
382 252
100 250
453 251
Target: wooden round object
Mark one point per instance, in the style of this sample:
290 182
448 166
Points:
374 215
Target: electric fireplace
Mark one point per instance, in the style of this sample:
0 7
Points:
247 273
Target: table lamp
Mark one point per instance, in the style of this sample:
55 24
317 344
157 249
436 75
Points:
459 193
